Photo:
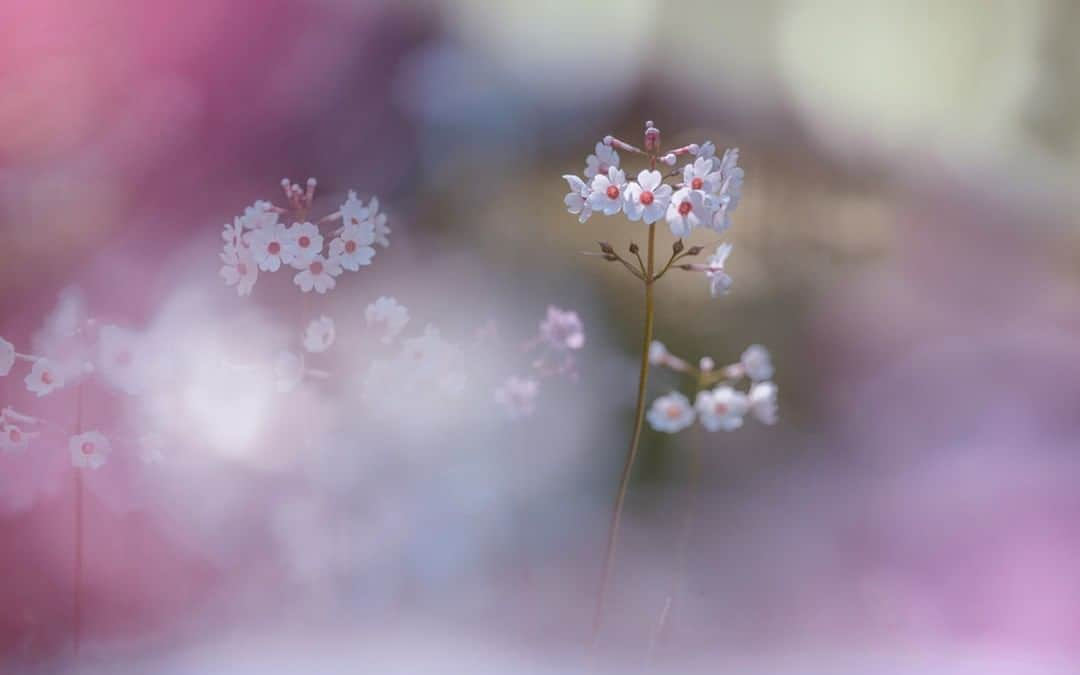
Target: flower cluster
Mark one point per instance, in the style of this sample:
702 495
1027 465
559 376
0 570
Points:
561 333
258 240
718 404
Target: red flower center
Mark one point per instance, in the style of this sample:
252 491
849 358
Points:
697 183
685 208
316 267
646 198
720 409
87 448
612 192
350 246
304 241
674 412
273 248
242 269
46 377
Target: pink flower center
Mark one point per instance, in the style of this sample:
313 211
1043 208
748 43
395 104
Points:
354 220
242 269
674 412
720 409
685 208
304 241
316 267
612 192
697 183
273 248
646 198
350 246
87 448
46 377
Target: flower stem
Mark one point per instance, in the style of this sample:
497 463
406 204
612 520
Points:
76 599
631 455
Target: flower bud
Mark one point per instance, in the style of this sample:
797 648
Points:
695 250
606 248
610 257
677 247
634 248
652 138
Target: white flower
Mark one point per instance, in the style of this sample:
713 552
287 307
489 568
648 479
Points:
700 176
44 378
658 353
240 270
353 211
577 200
120 358
389 314
732 178
562 329
319 335
604 158
607 192
288 371
378 220
258 216
318 274
720 218
270 246
721 408
706 150
12 438
719 281
7 356
233 235
686 211
517 396
763 402
756 363
648 198
670 413
89 450
304 244
352 247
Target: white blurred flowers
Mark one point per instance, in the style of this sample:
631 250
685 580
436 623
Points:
670 413
89 450
388 314
319 335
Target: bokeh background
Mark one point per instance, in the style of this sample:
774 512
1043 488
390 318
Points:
906 248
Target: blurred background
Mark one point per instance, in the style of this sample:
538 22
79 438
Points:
906 248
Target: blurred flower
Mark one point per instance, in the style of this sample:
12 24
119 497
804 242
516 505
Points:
270 246
318 275
43 378
517 396
562 329
603 158
352 248
719 281
756 363
388 313
319 335
12 438
288 371
721 408
305 244
7 356
378 221
119 358
647 199
233 235
89 450
657 353
762 399
240 270
258 216
670 413
606 192
577 200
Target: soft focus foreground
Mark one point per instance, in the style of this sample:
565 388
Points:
905 247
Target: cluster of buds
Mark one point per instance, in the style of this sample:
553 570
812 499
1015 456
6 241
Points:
258 240
718 404
703 193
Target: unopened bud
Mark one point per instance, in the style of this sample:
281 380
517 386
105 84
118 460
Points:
608 140
706 364
610 257
688 268
311 182
669 159
606 247
634 248
652 138
677 247
695 250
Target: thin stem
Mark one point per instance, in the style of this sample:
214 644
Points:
77 588
631 455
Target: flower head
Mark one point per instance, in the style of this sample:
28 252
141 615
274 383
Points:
719 281
721 408
604 157
240 270
352 247
7 356
89 450
388 313
670 413
378 221
319 335
647 199
257 216
756 363
120 358
44 378
517 396
685 211
763 402
318 274
699 175
606 192
562 329
577 200
13 438
658 353
270 246
304 244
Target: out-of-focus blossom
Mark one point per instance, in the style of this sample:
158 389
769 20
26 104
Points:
577 200
319 335
606 192
305 245
762 399
390 315
12 438
120 358
259 216
706 364
722 408
89 450
352 211
288 371
719 281
233 235
7 356
562 329
352 247
604 157
240 270
44 378
436 360
686 211
378 221
270 246
658 353
517 396
318 274
647 199
670 413
756 363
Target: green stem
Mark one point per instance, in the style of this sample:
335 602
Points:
639 417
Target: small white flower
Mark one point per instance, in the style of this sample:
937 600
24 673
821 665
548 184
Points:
318 275
388 313
606 192
353 211
648 198
89 450
719 281
686 211
352 247
721 408
670 413
240 270
658 353
7 356
304 244
706 364
577 200
258 215
233 235
603 158
700 176
517 396
120 358
732 181
378 221
12 438
756 363
319 335
44 378
288 371
706 150
562 329
763 402
270 246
